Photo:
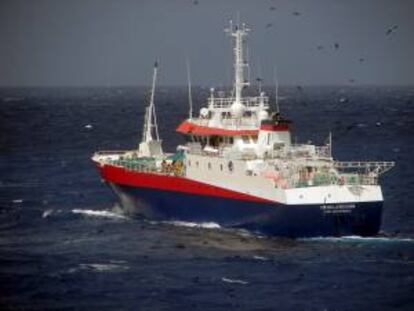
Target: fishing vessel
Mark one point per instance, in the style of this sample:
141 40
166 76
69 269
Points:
239 168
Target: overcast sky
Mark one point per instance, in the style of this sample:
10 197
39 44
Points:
111 43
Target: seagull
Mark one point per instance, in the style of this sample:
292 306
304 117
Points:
296 13
272 8
391 30
269 25
336 45
361 60
320 47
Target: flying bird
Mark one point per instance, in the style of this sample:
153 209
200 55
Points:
272 8
361 60
296 13
269 25
336 45
391 30
320 47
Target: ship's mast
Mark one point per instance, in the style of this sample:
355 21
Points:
150 112
238 33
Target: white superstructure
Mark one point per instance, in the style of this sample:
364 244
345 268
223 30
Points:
238 143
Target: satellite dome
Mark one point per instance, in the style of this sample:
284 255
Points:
263 115
204 112
237 109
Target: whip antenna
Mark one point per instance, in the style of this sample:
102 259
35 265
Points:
276 89
190 98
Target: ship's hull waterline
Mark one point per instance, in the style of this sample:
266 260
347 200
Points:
167 199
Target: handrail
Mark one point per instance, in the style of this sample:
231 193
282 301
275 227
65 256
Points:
374 167
357 164
107 152
249 102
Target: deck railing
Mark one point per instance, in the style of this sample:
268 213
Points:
248 102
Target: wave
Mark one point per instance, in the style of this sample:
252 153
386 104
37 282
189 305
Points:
234 281
48 212
99 213
99 267
204 225
19 185
357 238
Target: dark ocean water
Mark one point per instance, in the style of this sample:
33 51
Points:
64 245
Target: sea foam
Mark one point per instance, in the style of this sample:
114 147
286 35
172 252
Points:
98 213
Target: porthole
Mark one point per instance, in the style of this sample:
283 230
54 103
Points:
231 166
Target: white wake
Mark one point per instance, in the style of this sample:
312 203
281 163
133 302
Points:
98 213
204 225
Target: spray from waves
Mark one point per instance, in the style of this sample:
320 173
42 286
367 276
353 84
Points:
356 238
234 281
99 213
204 225
47 213
99 267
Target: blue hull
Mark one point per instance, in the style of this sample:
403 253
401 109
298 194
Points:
275 219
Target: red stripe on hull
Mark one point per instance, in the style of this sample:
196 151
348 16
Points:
120 175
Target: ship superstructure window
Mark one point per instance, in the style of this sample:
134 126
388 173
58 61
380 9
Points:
231 166
221 167
209 165
197 164
189 163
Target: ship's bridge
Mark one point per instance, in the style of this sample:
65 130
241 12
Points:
250 104
225 116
